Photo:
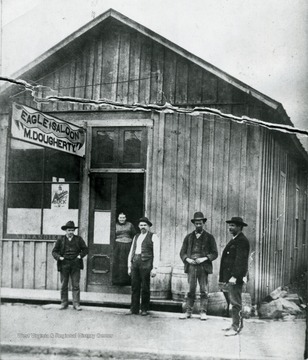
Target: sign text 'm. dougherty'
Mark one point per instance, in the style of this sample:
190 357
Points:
36 127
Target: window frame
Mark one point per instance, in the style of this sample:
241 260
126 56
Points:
118 148
42 184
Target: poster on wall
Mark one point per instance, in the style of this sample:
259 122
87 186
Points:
59 196
33 126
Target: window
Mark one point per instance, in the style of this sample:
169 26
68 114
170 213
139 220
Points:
118 148
42 190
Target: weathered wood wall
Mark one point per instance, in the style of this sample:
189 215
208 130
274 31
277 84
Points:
193 162
28 264
201 163
282 248
120 64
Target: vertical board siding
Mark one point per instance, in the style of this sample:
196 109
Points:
181 82
123 69
111 44
123 65
194 86
279 259
7 264
28 265
145 72
198 165
134 68
156 96
18 263
169 76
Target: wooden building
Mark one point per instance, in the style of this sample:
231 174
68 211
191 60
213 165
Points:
164 165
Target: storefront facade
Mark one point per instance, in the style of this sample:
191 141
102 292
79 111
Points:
144 161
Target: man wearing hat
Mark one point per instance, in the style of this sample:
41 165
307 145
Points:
143 260
69 251
198 251
233 269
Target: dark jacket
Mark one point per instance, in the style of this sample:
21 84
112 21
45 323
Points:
208 248
234 259
59 249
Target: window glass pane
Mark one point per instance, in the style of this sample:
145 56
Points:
61 196
60 165
28 196
23 221
53 220
103 147
102 188
25 162
132 146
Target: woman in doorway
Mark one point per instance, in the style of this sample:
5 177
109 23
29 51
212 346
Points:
125 233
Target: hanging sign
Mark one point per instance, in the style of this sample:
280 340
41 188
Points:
33 126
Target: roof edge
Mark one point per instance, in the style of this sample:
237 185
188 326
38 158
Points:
154 36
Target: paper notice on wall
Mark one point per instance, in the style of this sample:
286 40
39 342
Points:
102 221
59 196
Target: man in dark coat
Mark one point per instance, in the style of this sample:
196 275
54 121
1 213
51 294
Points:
69 251
198 251
233 270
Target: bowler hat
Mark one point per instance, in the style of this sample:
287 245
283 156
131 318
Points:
146 220
198 216
69 225
236 220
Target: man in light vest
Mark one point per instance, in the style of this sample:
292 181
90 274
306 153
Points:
143 260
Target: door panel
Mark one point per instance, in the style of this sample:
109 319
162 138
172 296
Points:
101 236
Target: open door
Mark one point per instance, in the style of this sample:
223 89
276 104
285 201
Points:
110 194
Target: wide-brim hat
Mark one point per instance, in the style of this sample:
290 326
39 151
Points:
69 225
146 220
198 216
236 220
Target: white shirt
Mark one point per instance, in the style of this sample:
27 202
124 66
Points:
236 235
156 249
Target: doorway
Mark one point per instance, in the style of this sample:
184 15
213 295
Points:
110 194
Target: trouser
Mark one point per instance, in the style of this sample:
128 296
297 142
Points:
140 275
70 269
233 295
197 273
